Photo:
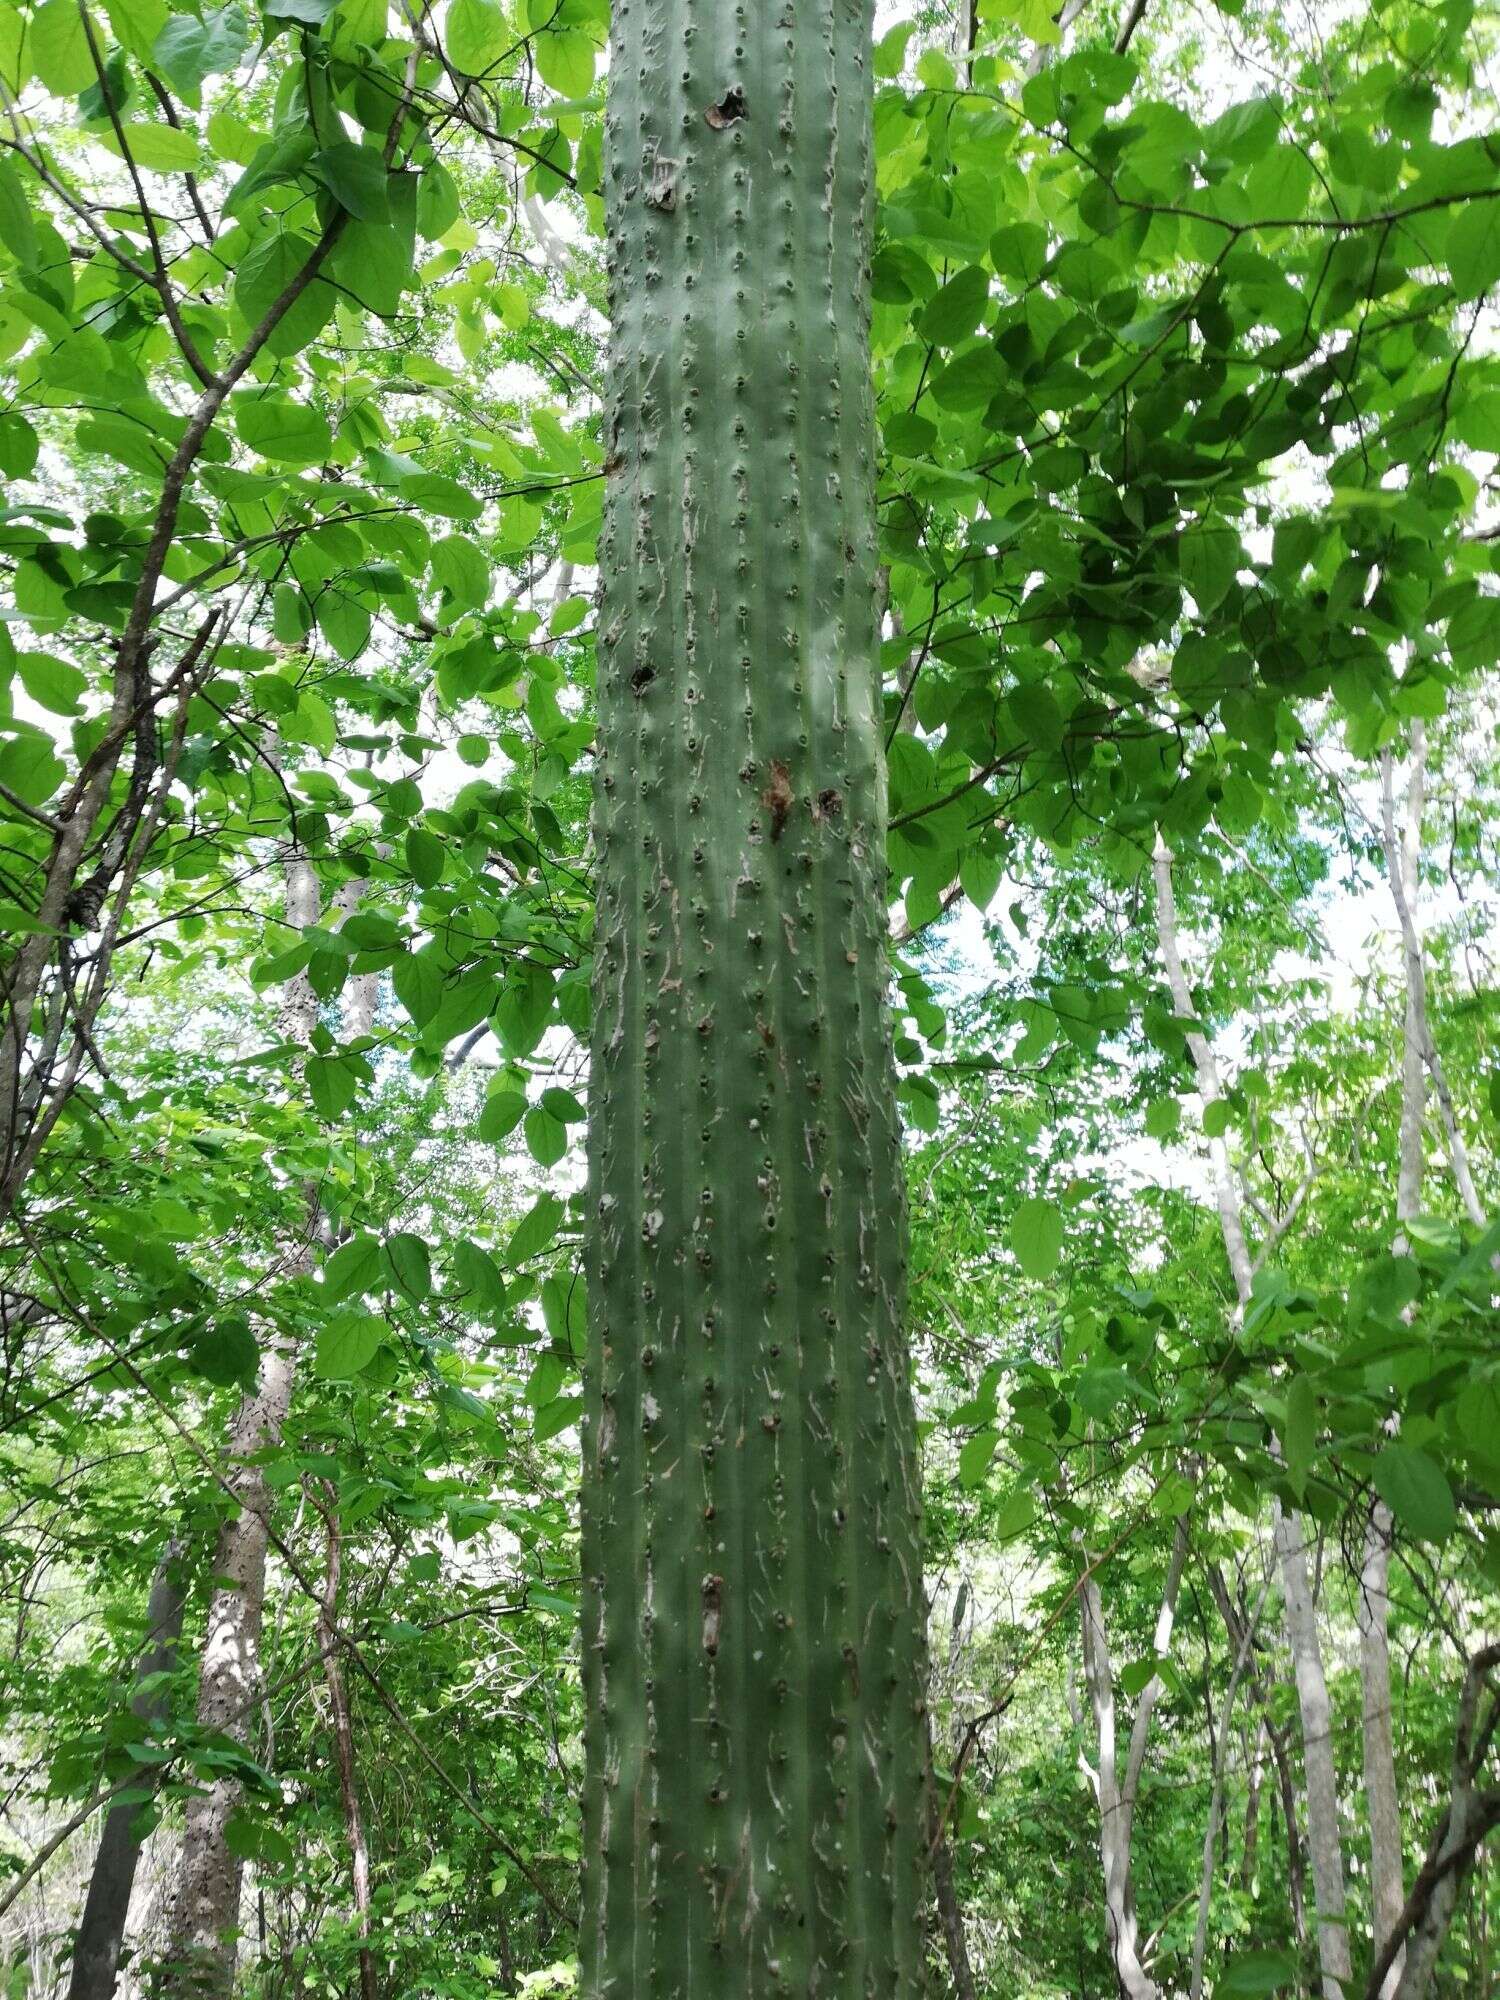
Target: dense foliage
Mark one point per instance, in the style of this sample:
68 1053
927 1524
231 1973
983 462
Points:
1189 400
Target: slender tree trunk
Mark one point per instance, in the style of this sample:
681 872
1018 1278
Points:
1325 1842
1404 1969
1216 1800
1402 856
1472 1814
950 1912
1387 1889
1114 1819
755 1817
1403 865
1255 1764
1118 1793
1151 1693
342 1726
1206 1071
203 1933
101 1929
945 1892
1296 1857
1281 1764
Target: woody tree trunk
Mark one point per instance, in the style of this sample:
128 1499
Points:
101 1928
753 1621
203 1933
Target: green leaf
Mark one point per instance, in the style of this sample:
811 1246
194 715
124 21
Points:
1217 1118
979 876
17 229
548 1373
477 1272
1137 1675
276 426
1208 556
188 49
59 46
137 23
1474 248
346 1345
254 1839
955 310
1412 1485
1385 1287
565 61
524 1008
1301 1431
356 178
1019 253
436 493
477 35
502 1113
359 24
409 1260
535 1230
564 1309
419 985
52 683
1036 1236
162 149
265 273
437 193
1014 1515
30 767
128 442
354 1267
425 856
974 1459
461 569
1036 19
1102 1389
374 260
306 13
557 1417
563 1104
224 1352
332 1083
1164 1118
546 1137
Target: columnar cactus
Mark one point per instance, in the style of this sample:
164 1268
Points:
753 1618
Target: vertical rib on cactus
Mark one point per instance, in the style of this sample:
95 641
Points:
753 1617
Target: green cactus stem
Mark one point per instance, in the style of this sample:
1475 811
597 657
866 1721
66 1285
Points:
753 1621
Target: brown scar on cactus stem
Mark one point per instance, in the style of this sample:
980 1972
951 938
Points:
777 797
729 110
713 1608
828 804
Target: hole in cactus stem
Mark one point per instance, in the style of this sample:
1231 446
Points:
729 110
777 797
